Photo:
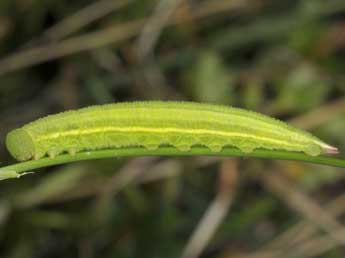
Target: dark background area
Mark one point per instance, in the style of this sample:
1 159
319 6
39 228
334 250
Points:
282 58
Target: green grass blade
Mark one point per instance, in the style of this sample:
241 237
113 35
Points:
17 170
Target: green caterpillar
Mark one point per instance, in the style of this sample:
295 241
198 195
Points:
153 124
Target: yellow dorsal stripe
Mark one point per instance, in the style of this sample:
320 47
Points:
76 132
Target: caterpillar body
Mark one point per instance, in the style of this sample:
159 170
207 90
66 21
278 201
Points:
152 124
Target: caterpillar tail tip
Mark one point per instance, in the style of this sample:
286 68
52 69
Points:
331 150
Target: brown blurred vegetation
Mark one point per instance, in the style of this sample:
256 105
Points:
282 58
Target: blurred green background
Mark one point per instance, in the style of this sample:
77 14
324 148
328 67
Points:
282 58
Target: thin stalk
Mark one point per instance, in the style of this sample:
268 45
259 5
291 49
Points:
19 169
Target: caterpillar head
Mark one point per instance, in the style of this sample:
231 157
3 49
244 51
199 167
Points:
20 145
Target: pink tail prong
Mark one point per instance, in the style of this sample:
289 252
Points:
331 150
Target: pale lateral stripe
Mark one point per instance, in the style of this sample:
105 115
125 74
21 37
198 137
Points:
157 130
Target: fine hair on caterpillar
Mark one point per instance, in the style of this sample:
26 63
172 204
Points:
151 124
